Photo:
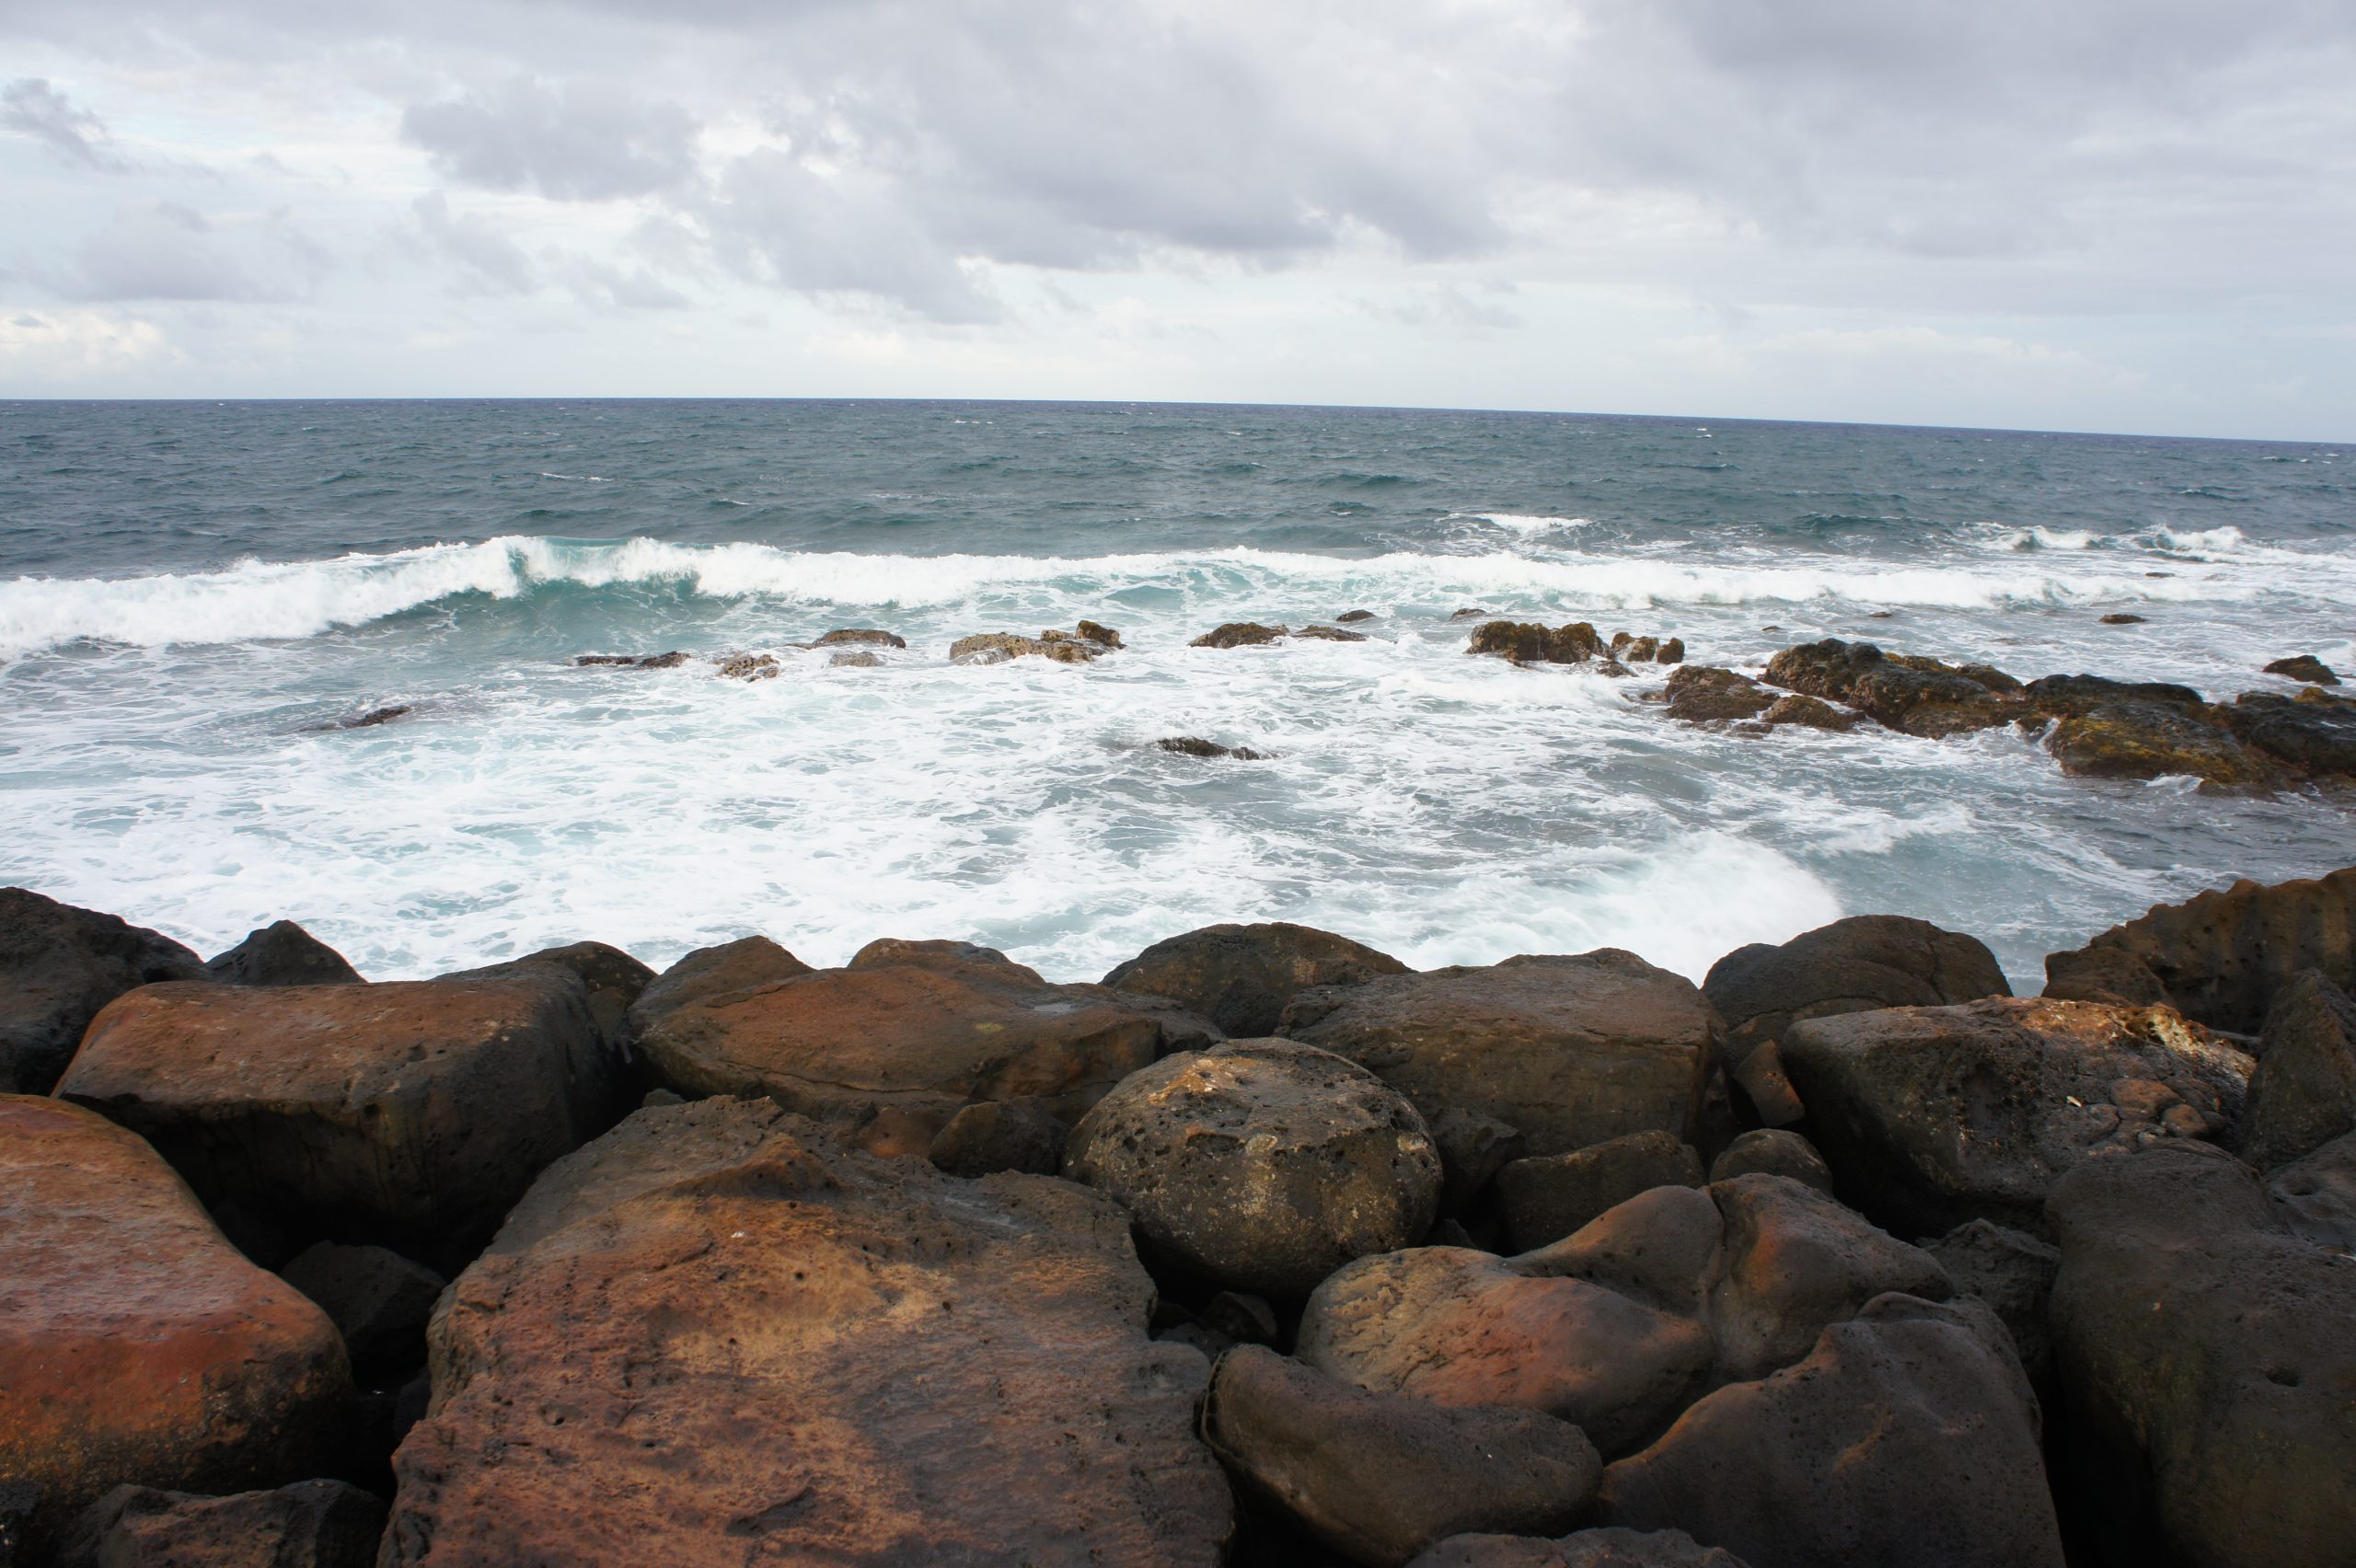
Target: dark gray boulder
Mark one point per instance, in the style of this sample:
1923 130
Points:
1547 1198
283 954
378 1300
1854 965
58 966
1770 1151
2011 1273
2303 1093
1241 976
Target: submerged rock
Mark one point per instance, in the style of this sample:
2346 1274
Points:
857 660
1330 634
283 954
58 966
863 636
1351 617
2123 617
670 660
1238 634
748 666
1195 746
998 647
1240 978
714 1336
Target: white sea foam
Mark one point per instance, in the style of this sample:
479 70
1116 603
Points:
1524 523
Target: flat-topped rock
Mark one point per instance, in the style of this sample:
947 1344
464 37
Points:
58 966
1240 978
1570 1050
715 1335
136 1345
407 1114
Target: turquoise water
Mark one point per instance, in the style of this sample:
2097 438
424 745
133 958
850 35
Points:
187 592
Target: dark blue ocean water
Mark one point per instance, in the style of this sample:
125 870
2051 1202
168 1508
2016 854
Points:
188 590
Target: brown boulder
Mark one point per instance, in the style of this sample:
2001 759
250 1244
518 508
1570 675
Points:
1770 1151
312 1523
283 954
1330 634
864 637
1907 1439
1524 642
2304 667
918 1028
1911 694
1810 713
1240 978
1238 634
2155 740
2314 732
2220 958
1000 1135
714 1337
1570 1050
1703 693
1932 1116
378 1301
1547 1198
135 1343
710 974
408 1114
2303 1093
58 966
1381 1477
1854 965
1261 1164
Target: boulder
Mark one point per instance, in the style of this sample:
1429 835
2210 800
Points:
1238 634
1759 1075
2315 1196
2222 957
1330 634
1472 1149
856 659
1908 1438
1770 1151
1810 713
1546 1198
998 647
2123 617
1000 1135
1262 1164
1704 693
312 1523
281 954
1914 695
1570 1050
2211 1349
2312 732
1524 642
1351 617
919 1029
2011 1273
715 1336
1195 746
2156 740
1092 631
58 966
2303 1093
1854 965
614 980
1240 978
2304 667
1379 1477
1605 1548
135 1343
1932 1116
860 635
712 975
407 1114
377 1299
749 666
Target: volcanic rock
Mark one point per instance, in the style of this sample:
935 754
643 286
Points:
283 954
2155 740
2304 667
58 966
613 979
2122 617
2312 730
1854 965
1571 1050
1908 1438
377 1299
863 636
2303 1093
1262 1164
1914 695
135 1343
1001 1134
748 666
1769 1151
2011 1273
1472 1149
1351 617
1240 978
714 1337
1381 1477
714 975
1547 1198
1330 634
1194 745
1525 643
1932 1116
1810 713
2213 1348
2315 1196
1104 636
1238 634
409 1113
1703 693
312 1523
1605 1548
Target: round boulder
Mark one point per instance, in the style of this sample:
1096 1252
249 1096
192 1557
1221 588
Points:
1264 1164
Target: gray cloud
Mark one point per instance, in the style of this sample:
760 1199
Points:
487 261
581 142
159 250
31 107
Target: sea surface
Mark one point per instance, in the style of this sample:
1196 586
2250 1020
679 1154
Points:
194 595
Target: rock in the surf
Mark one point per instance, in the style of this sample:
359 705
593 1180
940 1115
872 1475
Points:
1704 693
1239 634
1526 642
58 966
1907 693
1195 746
861 637
714 1333
2304 667
136 1345
282 953
1240 978
1570 1050
1263 1165
1381 1477
2314 730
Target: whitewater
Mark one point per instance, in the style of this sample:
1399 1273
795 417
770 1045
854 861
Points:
195 598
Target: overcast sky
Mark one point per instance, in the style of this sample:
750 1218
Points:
2104 214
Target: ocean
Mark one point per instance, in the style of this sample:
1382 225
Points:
194 597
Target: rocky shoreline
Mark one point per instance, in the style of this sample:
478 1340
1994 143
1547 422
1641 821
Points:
1265 1248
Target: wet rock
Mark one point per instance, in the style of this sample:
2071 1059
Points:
135 1343
409 1113
2156 740
1914 695
1103 636
748 666
714 975
1671 651
1240 978
1525 643
2011 1273
2057 695
1238 634
377 1299
2312 730
1001 1134
1810 713
1769 1151
1572 1050
1330 634
1605 1548
1351 617
998 647
1262 1164
1854 965
370 720
1546 1199
714 1336
1932 1116
1381 1477
2211 1348
1703 693
2304 667
2303 1093
670 660
1472 1149
2122 617
919 1029
868 636
1640 649
860 660
1908 1438
58 966
312 1523
2220 958
283 954
1194 745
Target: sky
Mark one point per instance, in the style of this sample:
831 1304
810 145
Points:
2076 215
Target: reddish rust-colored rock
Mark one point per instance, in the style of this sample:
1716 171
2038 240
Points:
920 1028
136 1345
409 1114
714 1337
